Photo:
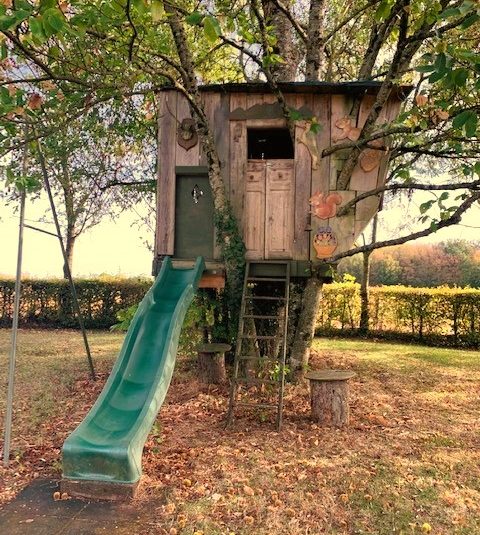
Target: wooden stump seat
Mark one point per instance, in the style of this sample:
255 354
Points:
329 396
211 363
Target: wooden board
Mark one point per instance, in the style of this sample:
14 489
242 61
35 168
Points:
254 220
183 156
302 188
340 106
362 180
238 157
221 111
165 230
279 209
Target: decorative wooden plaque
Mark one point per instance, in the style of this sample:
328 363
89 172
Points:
324 242
325 206
187 136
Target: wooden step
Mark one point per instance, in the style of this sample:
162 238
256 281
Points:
267 279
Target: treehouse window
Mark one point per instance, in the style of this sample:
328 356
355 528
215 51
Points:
269 144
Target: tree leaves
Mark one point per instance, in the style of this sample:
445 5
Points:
212 28
468 120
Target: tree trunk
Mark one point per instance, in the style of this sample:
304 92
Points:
364 316
305 329
287 46
364 288
211 363
69 246
315 49
228 233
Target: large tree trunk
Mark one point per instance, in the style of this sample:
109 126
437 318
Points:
305 330
287 45
315 49
228 232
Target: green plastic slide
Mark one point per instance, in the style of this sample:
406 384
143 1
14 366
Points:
107 446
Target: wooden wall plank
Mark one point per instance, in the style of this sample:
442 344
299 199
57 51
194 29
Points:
340 106
302 188
238 157
254 220
362 180
167 125
222 135
182 156
344 227
321 175
279 209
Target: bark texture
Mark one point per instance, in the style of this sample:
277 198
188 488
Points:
315 48
286 46
329 401
211 367
305 330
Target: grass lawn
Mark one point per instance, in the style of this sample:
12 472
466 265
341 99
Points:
409 461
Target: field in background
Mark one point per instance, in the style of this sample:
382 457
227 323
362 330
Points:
409 459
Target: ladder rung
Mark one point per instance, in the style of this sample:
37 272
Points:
253 382
265 297
257 405
256 337
268 279
255 316
259 359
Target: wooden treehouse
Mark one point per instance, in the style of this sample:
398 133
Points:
283 193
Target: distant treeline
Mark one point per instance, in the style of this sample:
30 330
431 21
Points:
452 263
441 316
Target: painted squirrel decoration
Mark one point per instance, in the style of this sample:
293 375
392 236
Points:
325 206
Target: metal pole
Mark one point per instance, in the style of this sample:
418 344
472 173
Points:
76 304
13 352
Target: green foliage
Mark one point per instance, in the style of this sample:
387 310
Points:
48 302
451 314
233 252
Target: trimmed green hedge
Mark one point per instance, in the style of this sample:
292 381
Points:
448 315
49 303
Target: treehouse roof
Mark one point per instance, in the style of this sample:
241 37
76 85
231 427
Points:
343 88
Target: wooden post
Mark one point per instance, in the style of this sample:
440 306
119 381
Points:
211 363
329 396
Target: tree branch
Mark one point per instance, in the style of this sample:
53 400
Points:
472 186
454 219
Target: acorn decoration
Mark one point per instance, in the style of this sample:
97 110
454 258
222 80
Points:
324 242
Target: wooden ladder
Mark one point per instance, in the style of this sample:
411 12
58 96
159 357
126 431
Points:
264 308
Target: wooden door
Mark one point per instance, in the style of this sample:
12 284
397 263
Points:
279 209
254 210
194 229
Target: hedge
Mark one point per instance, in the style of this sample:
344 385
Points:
448 314
48 303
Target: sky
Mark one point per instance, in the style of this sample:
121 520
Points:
118 247
113 247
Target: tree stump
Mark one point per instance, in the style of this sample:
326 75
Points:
329 396
211 363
